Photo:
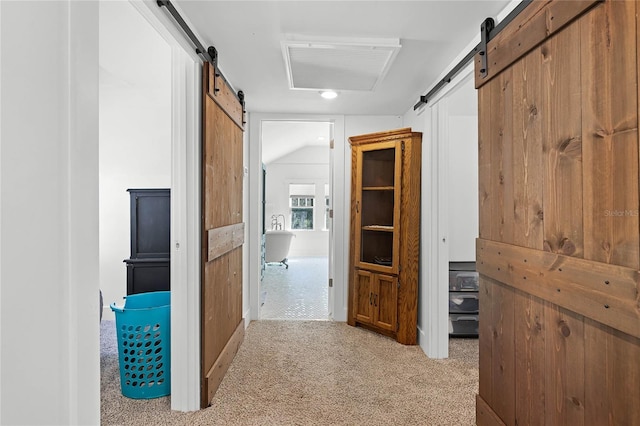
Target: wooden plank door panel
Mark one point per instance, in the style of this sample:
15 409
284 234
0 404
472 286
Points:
562 144
559 247
610 133
222 326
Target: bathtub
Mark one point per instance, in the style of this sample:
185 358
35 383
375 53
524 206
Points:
277 245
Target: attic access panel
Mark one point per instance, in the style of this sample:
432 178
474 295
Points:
338 64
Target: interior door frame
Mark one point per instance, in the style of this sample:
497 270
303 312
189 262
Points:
434 274
340 222
186 88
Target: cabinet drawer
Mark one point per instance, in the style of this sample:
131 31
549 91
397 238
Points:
463 301
463 281
463 324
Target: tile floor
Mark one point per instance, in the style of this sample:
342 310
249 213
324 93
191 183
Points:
300 292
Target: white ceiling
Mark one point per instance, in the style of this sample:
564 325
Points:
280 138
248 36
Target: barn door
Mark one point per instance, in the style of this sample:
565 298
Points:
559 247
222 326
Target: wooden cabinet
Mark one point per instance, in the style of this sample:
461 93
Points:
385 233
376 299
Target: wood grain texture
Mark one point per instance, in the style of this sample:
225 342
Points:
503 354
485 336
485 416
613 376
527 156
574 301
224 239
562 144
221 307
363 296
385 302
535 24
610 133
385 136
223 171
530 348
497 127
221 278
507 169
222 94
485 191
606 293
409 243
565 368
354 246
214 376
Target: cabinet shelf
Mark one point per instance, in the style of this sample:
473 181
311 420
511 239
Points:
381 228
378 188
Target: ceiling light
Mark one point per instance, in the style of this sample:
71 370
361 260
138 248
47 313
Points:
328 94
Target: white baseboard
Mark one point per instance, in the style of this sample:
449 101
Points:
247 318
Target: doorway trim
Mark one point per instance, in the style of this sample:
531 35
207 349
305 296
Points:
340 221
434 334
186 87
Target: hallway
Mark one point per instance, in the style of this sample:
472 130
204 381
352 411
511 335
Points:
315 373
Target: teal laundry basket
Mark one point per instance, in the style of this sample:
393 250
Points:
144 344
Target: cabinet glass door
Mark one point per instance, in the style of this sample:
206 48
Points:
377 206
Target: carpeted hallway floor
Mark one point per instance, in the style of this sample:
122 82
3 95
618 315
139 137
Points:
315 373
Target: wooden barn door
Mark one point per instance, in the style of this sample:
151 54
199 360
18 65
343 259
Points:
222 328
559 248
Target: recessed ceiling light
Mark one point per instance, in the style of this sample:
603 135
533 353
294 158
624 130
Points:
320 138
328 94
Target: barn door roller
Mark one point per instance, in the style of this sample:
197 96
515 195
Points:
488 31
210 54
485 33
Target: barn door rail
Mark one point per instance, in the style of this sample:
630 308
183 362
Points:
488 31
209 54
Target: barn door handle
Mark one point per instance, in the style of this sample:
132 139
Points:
358 206
371 298
375 300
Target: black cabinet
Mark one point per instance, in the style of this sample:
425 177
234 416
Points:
148 268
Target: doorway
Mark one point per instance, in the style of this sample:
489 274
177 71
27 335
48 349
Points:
179 69
134 131
296 220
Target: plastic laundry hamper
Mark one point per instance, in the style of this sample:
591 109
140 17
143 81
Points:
144 344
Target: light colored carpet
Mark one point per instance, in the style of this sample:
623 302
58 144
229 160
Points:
315 373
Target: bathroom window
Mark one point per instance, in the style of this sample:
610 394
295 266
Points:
301 212
302 197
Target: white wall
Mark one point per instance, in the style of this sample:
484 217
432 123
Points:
463 187
49 329
135 131
308 165
355 125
